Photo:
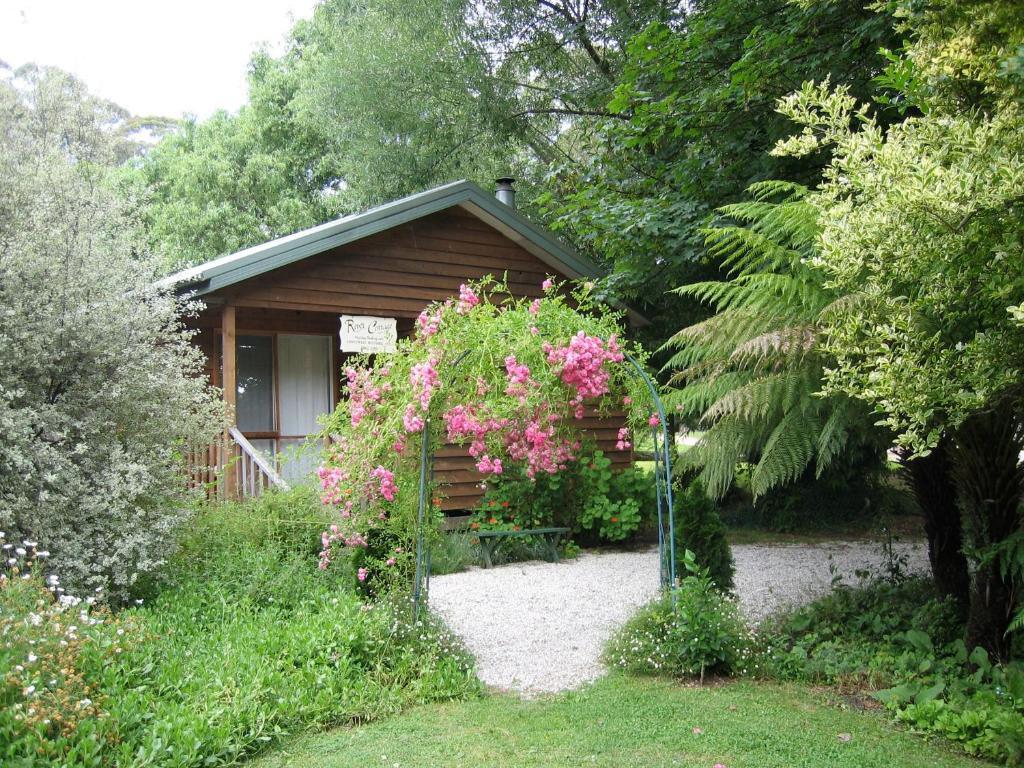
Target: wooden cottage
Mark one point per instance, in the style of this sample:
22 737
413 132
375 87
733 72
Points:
270 327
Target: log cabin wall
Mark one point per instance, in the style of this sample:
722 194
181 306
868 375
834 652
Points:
392 274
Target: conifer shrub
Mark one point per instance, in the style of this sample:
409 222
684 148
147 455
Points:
700 530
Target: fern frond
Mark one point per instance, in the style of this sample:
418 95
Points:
786 343
784 191
832 438
752 371
753 401
787 452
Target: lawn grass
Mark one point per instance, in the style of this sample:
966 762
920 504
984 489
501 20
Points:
623 722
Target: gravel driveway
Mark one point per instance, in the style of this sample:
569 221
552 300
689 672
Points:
540 627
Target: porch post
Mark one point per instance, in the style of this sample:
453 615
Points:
229 383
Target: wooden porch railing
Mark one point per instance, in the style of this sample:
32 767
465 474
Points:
231 469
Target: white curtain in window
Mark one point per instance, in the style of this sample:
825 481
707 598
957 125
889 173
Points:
304 364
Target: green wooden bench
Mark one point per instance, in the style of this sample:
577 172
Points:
491 540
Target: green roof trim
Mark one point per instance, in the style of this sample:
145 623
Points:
260 259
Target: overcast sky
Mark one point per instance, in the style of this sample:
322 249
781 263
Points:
153 58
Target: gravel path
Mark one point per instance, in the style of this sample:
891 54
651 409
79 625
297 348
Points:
540 627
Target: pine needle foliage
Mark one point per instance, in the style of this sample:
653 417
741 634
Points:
751 373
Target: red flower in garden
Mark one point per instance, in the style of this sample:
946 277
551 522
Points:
492 503
615 519
492 520
504 504
474 526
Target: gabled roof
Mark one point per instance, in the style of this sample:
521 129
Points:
259 259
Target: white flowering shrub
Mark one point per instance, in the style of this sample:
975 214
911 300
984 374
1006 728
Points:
99 387
695 631
49 642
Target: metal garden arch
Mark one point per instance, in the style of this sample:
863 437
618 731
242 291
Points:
662 485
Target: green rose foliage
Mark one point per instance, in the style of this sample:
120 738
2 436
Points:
493 372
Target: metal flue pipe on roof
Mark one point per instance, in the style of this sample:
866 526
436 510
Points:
505 192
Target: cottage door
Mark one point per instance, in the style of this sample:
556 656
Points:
304 392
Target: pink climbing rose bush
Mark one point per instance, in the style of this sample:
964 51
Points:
506 377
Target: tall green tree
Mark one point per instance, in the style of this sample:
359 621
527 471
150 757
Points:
694 120
922 227
378 99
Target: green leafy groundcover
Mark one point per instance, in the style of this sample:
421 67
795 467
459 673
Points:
247 643
901 642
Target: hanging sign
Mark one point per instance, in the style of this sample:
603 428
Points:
368 334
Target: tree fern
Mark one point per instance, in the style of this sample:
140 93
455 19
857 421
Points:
751 372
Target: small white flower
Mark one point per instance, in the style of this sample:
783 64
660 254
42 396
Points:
20 551
42 554
32 657
28 690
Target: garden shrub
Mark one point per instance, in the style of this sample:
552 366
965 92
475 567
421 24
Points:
100 389
597 503
513 501
246 643
694 631
855 634
844 495
453 552
700 530
614 503
51 702
903 642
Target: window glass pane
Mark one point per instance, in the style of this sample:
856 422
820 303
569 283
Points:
298 460
255 402
266 448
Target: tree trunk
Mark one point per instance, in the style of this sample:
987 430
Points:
931 478
989 479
